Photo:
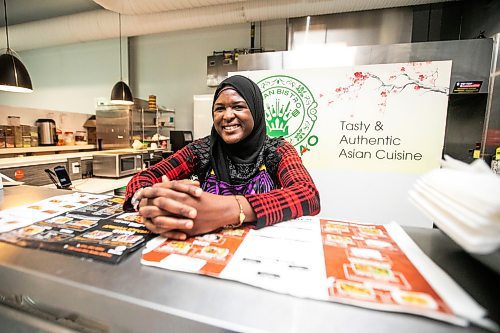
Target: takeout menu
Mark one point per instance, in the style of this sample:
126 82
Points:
310 257
90 226
363 263
20 216
214 250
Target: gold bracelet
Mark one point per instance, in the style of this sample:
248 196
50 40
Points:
241 216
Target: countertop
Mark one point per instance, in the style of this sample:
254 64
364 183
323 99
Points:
97 185
11 162
39 149
130 297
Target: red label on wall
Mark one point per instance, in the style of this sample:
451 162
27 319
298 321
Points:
19 174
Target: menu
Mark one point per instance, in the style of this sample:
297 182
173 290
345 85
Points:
373 266
80 224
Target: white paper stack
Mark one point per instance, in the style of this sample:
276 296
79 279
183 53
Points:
464 202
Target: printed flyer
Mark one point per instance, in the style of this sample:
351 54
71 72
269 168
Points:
372 266
80 224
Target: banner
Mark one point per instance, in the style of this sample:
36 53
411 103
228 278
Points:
364 132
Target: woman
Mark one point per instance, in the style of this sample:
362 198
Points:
245 176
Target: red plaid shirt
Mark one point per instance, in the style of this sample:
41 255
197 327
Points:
295 196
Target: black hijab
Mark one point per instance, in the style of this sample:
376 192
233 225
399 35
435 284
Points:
247 150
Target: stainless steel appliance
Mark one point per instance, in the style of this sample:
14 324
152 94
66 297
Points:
47 135
116 164
113 126
117 126
179 139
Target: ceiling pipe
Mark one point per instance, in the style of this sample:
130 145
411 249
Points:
134 7
101 24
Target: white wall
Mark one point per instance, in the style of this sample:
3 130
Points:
69 78
173 66
64 121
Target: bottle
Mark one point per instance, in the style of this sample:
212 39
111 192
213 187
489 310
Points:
69 138
476 153
60 139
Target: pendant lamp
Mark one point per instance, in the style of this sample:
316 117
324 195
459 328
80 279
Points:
121 93
13 75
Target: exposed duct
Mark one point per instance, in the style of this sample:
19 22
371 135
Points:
102 24
134 7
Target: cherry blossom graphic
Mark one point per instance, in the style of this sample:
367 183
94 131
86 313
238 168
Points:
412 76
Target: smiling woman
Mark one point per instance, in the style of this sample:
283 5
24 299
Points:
236 175
233 119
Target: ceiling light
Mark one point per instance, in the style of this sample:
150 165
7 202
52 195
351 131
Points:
121 93
13 75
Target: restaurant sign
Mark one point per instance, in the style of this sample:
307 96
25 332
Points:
291 110
366 133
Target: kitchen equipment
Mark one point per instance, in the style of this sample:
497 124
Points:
113 126
116 164
47 132
90 126
179 139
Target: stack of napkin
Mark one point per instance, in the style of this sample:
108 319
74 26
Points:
464 202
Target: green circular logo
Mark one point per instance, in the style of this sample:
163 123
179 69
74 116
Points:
290 108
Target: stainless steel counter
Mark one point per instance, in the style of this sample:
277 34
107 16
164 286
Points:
130 297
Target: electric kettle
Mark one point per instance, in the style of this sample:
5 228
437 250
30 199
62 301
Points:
47 135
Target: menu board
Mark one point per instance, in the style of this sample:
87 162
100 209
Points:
81 224
372 266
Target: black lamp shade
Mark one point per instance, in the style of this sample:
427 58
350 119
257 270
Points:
13 75
121 94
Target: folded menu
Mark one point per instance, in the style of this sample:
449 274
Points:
372 266
81 224
463 201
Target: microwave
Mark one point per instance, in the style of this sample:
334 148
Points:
116 164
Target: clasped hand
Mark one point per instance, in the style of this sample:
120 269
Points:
177 209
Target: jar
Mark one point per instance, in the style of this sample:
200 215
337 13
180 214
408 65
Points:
80 138
69 138
60 139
